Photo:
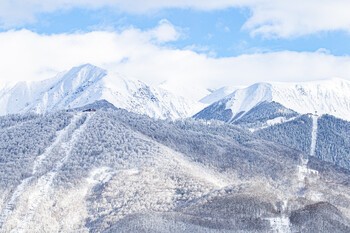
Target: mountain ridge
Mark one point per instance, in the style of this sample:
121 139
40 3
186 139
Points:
86 84
331 96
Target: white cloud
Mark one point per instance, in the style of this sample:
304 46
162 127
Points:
283 18
269 18
26 55
165 32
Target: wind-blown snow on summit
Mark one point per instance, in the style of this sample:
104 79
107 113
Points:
323 97
87 84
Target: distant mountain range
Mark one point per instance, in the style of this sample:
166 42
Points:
89 151
87 84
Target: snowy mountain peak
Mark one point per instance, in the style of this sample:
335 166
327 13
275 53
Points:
330 96
86 84
86 71
242 100
82 75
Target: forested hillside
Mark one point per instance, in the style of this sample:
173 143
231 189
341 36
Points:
331 135
109 170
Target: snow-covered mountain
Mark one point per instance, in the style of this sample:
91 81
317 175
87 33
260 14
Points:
86 84
322 97
116 171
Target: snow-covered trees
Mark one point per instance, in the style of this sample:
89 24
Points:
22 142
118 171
333 141
295 134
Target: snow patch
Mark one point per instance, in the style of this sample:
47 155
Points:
272 122
100 175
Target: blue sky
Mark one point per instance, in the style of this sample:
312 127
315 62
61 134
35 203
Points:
217 32
206 43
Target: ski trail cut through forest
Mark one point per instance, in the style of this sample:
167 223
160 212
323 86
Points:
64 133
11 204
64 145
303 170
44 184
314 135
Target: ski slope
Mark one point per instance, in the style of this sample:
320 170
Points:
314 135
41 178
44 183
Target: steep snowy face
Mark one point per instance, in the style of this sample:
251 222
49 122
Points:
218 94
87 84
243 100
323 97
52 94
138 97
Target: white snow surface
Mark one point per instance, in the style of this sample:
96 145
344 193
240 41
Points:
330 96
218 94
272 122
314 135
86 84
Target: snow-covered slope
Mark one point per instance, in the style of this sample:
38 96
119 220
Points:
218 94
116 171
86 84
324 97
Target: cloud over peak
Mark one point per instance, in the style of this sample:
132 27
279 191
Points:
139 54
